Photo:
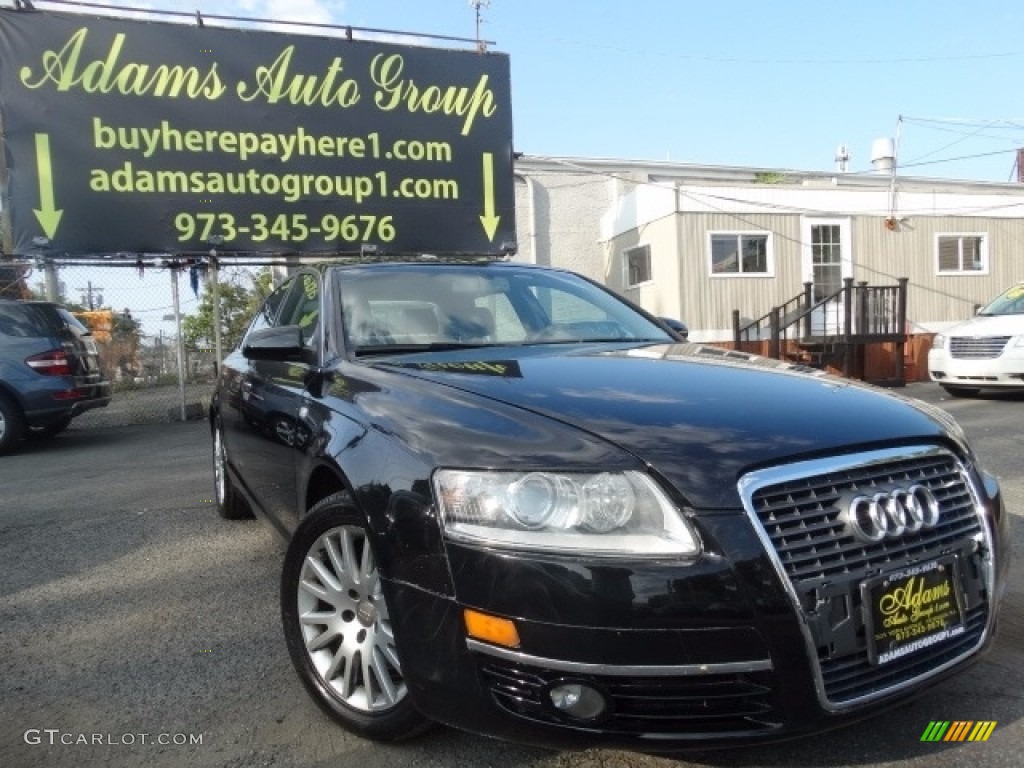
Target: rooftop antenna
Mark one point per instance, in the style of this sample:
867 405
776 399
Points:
478 6
842 158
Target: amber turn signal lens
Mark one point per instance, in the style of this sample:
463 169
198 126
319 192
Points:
491 629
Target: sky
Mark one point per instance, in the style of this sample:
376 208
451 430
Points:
777 85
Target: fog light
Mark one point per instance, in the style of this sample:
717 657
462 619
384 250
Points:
578 700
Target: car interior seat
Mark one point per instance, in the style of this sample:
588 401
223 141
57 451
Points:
361 327
471 324
420 324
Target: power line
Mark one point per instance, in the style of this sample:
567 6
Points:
761 61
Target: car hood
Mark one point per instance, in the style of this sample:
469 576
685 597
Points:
701 416
989 325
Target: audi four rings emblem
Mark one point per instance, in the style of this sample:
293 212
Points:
891 512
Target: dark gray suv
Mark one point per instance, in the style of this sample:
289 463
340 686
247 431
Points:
49 371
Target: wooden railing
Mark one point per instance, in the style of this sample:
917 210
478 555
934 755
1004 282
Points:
845 321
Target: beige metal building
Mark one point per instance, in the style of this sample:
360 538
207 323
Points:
697 242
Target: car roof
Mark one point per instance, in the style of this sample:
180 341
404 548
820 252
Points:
439 262
29 302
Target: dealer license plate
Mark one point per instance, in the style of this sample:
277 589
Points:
911 610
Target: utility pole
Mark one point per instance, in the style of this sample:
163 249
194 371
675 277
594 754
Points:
88 293
477 5
53 291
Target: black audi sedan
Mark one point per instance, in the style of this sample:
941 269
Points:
519 505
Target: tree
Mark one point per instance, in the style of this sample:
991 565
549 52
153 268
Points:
241 294
12 281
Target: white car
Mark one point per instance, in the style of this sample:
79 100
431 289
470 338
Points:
986 351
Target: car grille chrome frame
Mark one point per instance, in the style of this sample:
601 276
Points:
795 510
977 347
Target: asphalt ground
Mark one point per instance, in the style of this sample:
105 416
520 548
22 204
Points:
137 628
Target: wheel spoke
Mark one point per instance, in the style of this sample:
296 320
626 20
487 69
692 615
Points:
322 640
385 634
336 662
336 557
348 555
316 591
326 577
388 651
367 570
315 618
383 678
348 678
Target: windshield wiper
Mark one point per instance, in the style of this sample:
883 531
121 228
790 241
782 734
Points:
434 346
608 340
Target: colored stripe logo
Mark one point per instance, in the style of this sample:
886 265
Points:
958 730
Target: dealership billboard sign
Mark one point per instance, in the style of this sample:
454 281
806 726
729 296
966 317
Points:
123 135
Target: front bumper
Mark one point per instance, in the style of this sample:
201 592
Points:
1005 370
724 650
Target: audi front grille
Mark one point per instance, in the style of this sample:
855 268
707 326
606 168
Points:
801 514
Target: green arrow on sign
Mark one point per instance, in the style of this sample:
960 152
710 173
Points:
46 213
489 220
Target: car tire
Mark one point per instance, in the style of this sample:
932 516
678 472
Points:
961 391
337 627
230 503
49 430
12 424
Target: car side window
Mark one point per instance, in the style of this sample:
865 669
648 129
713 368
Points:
17 321
302 307
267 315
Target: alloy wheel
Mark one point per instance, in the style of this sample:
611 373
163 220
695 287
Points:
219 470
344 622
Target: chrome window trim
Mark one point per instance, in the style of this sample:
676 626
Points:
620 670
749 484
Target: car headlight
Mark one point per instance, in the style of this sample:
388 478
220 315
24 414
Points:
603 513
939 342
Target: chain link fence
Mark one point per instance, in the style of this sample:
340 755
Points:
153 320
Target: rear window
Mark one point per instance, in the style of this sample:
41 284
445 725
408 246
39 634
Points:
73 322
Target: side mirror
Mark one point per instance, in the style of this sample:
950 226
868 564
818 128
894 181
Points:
678 327
283 344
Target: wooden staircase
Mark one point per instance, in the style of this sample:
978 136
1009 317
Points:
835 332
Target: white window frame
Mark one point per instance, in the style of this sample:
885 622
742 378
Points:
769 254
963 272
625 266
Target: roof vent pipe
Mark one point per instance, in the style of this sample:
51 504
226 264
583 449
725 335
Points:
883 155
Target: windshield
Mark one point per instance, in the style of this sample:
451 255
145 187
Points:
409 307
1010 302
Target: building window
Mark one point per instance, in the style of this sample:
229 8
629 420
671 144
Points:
741 253
638 265
962 254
